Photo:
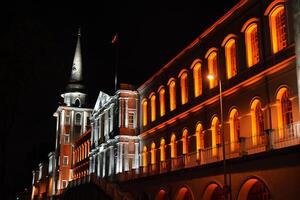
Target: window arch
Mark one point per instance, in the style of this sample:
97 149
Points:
145 160
162 150
172 91
284 110
212 62
252 44
153 107
184 87
257 117
234 124
144 105
199 137
254 188
153 153
77 119
277 23
185 146
230 55
213 191
215 128
197 75
173 146
184 193
162 101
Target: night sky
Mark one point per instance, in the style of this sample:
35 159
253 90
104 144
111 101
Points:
37 48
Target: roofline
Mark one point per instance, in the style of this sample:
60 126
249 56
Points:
196 41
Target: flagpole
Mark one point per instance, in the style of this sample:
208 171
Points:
115 41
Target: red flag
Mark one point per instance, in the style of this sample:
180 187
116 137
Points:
115 39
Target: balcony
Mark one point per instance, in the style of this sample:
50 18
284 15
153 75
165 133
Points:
268 141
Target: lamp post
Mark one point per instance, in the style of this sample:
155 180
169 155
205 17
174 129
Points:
226 186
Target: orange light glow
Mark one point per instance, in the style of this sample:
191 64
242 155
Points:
153 153
252 47
278 28
162 102
215 128
230 54
162 150
234 128
172 88
173 146
212 69
185 141
197 79
257 121
145 160
153 107
184 88
144 112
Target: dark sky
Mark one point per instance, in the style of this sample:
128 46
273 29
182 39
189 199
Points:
37 48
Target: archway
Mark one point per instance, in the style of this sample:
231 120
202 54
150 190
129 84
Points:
161 195
213 191
184 194
254 189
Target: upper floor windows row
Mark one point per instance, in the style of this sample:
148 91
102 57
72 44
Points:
278 36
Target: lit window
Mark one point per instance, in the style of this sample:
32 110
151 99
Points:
162 150
278 28
66 139
144 112
131 119
230 54
153 153
173 146
145 160
212 69
197 79
215 128
199 137
65 160
252 48
172 88
185 141
162 102
257 118
153 107
234 129
184 88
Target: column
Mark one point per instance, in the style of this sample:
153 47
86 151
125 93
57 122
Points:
121 157
99 164
126 164
103 163
111 160
118 159
111 123
126 113
91 165
92 133
136 155
120 112
96 132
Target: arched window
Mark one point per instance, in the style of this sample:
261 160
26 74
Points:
172 89
278 28
199 137
252 44
184 87
212 61
197 78
153 107
77 119
184 194
185 146
162 102
144 104
153 153
230 54
254 188
234 123
215 128
257 117
284 110
145 160
162 150
213 191
173 146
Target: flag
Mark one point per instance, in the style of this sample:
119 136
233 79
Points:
115 39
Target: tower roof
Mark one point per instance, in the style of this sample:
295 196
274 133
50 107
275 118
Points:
76 81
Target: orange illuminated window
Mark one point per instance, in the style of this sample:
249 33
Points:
234 129
153 107
230 54
153 153
199 137
172 88
173 146
278 28
144 104
185 141
257 117
215 128
252 48
212 69
184 88
162 102
145 160
284 111
162 150
197 79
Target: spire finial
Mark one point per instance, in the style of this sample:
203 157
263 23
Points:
79 31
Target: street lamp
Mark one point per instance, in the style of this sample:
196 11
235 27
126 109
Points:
226 186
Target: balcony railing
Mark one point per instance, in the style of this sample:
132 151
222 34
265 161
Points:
272 139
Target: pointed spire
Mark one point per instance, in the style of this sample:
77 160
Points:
76 74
